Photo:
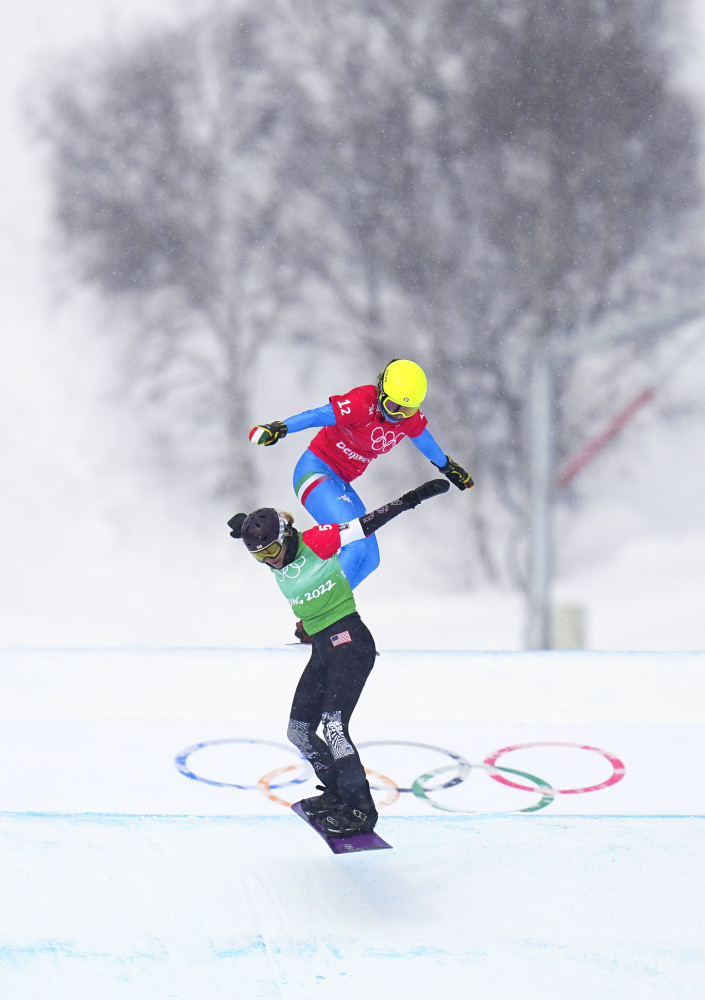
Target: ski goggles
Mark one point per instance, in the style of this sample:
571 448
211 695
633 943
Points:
270 551
397 411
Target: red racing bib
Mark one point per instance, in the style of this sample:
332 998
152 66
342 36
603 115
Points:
360 433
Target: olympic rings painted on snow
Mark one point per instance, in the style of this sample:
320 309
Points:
182 765
393 790
616 763
264 785
548 794
421 786
463 766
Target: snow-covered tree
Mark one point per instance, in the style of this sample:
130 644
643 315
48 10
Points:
453 182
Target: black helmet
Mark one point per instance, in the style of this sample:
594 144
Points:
266 531
262 527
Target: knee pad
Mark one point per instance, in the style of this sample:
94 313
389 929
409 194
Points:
335 735
299 733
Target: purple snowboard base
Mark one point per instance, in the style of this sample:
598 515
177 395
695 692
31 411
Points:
344 845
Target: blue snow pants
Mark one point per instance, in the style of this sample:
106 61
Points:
330 500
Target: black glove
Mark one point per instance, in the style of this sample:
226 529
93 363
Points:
235 524
371 522
457 474
268 434
433 488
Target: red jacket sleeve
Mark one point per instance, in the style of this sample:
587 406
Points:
324 540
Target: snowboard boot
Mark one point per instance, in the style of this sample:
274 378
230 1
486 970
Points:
301 633
348 820
318 805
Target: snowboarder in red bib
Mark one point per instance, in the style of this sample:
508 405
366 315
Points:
356 428
308 570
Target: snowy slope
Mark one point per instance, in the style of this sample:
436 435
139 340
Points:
185 909
122 877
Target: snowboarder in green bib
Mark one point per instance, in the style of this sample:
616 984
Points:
307 569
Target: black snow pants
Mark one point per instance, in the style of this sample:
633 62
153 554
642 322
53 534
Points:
328 691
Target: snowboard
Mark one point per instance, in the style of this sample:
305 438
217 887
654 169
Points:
344 845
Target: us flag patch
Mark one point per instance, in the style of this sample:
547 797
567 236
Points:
340 638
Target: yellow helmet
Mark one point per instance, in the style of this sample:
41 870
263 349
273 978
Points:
401 388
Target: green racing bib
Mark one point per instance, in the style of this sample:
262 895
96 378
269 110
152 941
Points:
318 591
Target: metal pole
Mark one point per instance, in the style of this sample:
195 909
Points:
541 448
541 462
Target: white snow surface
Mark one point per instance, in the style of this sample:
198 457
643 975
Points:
123 876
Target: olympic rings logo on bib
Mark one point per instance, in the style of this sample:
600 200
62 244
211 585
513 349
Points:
437 785
382 440
292 571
